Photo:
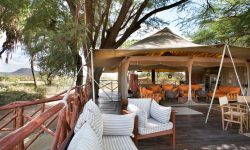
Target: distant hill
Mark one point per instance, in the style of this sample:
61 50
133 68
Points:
19 72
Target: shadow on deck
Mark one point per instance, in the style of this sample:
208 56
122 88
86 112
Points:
191 131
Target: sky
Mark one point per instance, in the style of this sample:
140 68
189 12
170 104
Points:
20 60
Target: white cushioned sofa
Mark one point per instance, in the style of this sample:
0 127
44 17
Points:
96 131
151 120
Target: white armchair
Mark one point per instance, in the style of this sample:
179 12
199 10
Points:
152 119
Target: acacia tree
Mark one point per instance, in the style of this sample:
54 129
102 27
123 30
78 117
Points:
109 23
54 30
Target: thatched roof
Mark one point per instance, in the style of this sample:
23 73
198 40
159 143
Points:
163 39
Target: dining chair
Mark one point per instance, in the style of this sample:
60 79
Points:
233 113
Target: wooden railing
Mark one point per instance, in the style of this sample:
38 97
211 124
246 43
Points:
111 85
23 124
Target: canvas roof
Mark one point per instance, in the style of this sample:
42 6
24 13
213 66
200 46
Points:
159 44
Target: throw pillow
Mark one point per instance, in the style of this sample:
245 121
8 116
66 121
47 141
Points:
160 113
118 124
142 115
85 139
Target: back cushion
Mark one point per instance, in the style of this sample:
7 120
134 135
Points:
234 89
167 87
183 87
142 103
196 87
118 124
160 113
155 88
142 115
85 139
91 114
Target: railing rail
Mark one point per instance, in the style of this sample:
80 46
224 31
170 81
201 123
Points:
25 125
111 85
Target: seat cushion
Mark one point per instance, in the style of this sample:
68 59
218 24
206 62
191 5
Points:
118 143
160 113
153 126
142 115
91 114
118 124
142 103
85 139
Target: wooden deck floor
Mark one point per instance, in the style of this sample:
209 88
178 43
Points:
192 132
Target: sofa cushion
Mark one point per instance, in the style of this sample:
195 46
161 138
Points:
155 88
183 87
154 126
160 113
167 87
118 124
85 139
142 115
91 114
118 143
142 103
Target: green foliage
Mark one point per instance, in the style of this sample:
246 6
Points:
128 43
12 15
48 34
226 21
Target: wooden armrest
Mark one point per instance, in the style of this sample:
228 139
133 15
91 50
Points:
173 118
135 132
125 112
124 103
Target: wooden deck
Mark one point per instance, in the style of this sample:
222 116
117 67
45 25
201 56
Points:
192 132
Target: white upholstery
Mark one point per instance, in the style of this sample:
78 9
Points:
142 115
118 143
153 126
160 113
102 124
91 114
118 124
85 139
142 103
223 100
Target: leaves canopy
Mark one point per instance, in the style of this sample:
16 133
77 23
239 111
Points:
225 21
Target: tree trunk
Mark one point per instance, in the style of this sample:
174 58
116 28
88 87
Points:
97 75
32 69
79 78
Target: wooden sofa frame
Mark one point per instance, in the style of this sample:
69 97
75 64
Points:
137 136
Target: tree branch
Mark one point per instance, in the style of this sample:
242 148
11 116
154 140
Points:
136 24
119 21
97 29
160 9
2 51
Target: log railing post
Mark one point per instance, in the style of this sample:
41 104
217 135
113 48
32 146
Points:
14 121
19 124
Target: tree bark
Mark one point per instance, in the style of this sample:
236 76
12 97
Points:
97 75
79 77
32 70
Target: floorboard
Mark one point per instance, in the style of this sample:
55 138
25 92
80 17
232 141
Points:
191 131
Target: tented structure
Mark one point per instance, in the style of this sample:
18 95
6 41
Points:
165 49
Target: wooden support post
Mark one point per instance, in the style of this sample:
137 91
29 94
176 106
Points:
153 76
19 124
